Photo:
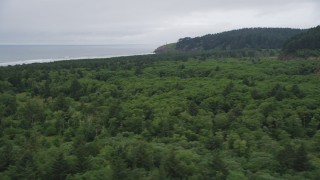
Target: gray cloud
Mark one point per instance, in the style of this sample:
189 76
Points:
143 21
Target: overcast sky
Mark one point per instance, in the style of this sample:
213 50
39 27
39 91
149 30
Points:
143 21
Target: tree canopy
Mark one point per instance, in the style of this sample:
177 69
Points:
251 38
231 115
304 44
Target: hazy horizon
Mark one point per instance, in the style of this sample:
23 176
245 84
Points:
81 22
25 54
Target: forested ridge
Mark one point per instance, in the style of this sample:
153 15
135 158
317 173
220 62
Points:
306 44
230 115
250 38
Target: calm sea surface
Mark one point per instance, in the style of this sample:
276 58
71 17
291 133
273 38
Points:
26 54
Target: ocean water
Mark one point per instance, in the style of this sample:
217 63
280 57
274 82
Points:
26 54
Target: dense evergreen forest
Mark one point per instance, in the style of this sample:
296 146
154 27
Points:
250 38
232 115
305 44
293 43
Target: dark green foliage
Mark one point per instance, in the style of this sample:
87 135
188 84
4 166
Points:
305 44
81 152
75 90
31 113
25 167
301 162
8 104
228 89
118 164
169 116
193 108
279 92
216 168
173 167
59 169
6 155
293 158
251 38
297 91
60 103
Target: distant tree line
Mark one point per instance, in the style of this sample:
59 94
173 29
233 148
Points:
250 38
305 44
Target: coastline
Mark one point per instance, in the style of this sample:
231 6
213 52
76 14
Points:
49 60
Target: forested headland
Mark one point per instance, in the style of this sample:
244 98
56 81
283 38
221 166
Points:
247 38
293 43
224 114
